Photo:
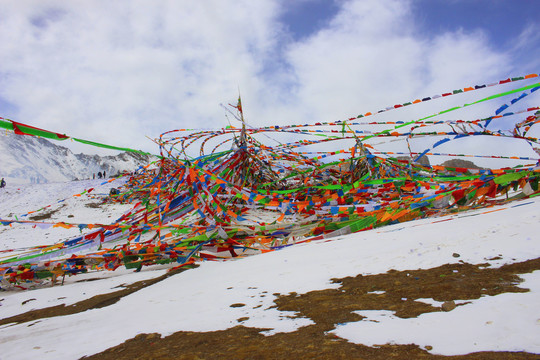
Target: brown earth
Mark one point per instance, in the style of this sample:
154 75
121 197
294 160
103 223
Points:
95 302
45 215
96 205
327 308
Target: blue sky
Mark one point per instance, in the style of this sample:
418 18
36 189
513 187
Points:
502 21
117 72
304 18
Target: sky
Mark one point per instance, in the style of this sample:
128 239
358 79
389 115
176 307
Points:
124 72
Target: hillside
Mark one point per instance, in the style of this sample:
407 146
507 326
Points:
30 159
460 163
460 284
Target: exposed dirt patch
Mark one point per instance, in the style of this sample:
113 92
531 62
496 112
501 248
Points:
45 215
27 301
94 205
88 280
247 343
237 305
95 302
396 291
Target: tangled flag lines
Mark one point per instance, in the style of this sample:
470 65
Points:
241 196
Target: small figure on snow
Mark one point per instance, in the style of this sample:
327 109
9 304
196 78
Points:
2 183
99 175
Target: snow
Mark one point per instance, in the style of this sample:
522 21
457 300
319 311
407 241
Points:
17 201
506 322
30 159
200 299
74 290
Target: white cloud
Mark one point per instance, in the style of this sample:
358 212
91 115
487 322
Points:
373 56
115 72
530 34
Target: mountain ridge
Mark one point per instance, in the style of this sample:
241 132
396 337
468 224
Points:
30 159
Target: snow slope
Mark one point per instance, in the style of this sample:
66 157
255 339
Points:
58 200
30 159
200 299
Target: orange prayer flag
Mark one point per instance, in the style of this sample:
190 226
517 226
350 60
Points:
192 174
386 216
64 225
400 214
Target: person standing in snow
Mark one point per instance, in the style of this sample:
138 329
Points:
99 175
2 183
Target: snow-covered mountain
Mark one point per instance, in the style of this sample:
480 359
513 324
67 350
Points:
30 159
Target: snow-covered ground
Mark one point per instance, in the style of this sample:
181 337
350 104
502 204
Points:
200 299
54 202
